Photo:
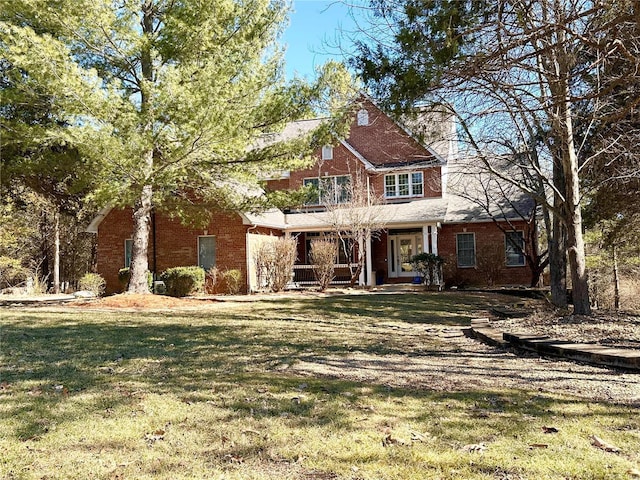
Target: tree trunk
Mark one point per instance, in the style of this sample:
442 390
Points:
573 213
616 280
141 227
557 242
558 62
56 251
142 209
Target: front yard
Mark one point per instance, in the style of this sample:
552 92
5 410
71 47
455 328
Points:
303 387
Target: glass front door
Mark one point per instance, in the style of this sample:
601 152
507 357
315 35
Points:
402 249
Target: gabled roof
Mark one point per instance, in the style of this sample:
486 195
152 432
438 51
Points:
396 147
475 195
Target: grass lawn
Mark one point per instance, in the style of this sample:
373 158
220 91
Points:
213 392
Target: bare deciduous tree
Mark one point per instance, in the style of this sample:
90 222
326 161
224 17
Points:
525 80
354 212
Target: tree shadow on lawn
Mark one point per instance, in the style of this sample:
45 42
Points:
442 308
53 360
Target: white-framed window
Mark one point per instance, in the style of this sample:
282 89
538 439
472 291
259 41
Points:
128 251
466 249
404 185
327 152
334 189
514 249
206 251
363 118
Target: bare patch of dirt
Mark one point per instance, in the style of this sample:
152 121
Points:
462 364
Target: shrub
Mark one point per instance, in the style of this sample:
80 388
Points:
12 272
323 257
275 260
183 281
429 266
93 283
233 279
123 278
212 280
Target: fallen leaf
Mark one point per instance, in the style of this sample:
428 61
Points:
418 437
550 430
601 444
233 458
155 436
35 391
388 441
634 472
474 448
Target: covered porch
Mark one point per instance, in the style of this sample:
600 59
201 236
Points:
386 256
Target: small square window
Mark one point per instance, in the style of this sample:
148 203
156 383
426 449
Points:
363 118
327 152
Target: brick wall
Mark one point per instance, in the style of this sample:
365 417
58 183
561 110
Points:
176 244
490 257
383 141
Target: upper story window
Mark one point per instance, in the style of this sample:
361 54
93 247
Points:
329 190
514 249
398 185
466 249
327 152
363 118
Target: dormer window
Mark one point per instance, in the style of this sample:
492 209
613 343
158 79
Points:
327 152
363 118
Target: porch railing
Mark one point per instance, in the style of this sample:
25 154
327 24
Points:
303 274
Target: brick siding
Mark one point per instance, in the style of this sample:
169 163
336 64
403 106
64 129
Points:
176 244
490 257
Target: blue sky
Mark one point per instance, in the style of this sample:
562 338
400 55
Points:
313 31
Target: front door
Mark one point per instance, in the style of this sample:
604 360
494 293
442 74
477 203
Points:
403 247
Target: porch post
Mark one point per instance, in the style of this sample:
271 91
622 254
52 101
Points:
369 263
362 271
434 243
434 238
425 239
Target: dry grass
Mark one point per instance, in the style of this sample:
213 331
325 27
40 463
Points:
300 387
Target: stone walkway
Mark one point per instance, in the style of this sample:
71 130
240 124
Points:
590 353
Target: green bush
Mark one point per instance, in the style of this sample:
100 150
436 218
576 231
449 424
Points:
93 283
233 279
123 278
183 281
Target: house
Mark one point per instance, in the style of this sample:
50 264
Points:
424 205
